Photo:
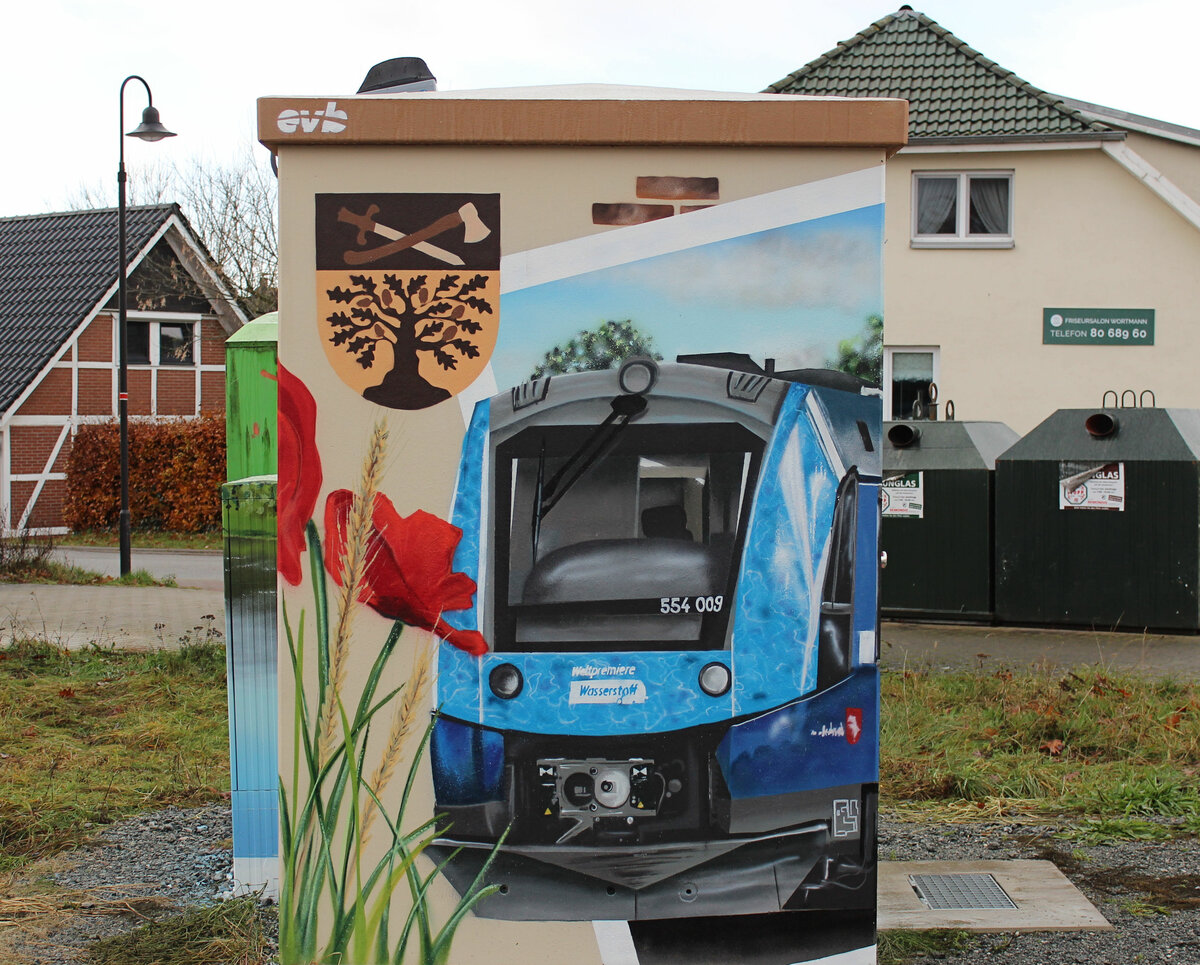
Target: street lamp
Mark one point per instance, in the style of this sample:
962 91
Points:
150 129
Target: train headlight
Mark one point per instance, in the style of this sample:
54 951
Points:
579 789
715 679
611 787
638 375
506 681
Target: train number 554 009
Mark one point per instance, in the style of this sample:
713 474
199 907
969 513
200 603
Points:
691 604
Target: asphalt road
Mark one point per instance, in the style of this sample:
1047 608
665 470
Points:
153 616
198 569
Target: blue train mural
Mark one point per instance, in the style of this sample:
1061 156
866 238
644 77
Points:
678 712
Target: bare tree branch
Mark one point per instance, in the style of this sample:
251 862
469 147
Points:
232 207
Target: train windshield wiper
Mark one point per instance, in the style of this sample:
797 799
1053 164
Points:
598 443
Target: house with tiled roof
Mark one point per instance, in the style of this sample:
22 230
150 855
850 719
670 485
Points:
58 339
1040 249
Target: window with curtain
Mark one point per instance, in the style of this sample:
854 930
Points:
969 209
911 372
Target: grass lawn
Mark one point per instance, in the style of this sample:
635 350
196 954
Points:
1116 747
26 558
52 571
90 736
1118 752
87 737
231 932
145 539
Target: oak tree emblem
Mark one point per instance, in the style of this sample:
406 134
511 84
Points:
416 316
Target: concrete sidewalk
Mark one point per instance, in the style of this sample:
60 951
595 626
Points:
958 647
122 616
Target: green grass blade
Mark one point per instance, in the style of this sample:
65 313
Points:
470 898
383 902
372 682
316 562
353 845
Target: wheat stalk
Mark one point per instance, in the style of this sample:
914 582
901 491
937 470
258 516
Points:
352 566
403 718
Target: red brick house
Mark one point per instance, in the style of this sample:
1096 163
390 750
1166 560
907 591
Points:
58 339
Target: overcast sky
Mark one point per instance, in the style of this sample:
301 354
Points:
62 61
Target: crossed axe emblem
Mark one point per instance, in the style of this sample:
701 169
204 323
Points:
474 230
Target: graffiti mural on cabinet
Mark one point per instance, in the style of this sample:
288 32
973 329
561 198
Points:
646 614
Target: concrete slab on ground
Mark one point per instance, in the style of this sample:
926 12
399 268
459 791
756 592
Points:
122 616
1044 897
944 646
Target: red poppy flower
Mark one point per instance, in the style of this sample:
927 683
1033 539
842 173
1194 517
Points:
299 471
408 575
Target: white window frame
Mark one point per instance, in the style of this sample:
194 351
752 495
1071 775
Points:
155 320
962 238
888 352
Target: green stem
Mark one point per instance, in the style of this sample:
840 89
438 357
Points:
372 684
316 562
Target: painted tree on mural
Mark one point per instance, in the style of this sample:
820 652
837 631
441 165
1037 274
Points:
604 347
862 356
417 316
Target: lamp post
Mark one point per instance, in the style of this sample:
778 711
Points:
150 129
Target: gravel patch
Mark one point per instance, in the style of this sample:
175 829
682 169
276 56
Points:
133 870
1149 891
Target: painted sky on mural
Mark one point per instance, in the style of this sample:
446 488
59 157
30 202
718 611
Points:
64 61
795 292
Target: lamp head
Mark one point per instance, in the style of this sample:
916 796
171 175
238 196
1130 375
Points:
151 128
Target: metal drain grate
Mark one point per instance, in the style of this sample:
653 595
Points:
959 892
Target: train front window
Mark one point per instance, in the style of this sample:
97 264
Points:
640 551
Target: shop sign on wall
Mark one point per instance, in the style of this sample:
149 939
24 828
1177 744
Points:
904 495
1097 326
1084 485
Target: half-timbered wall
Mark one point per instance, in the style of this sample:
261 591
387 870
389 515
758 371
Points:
80 386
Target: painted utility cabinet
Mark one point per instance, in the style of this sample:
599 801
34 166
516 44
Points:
248 514
250 435
938 518
248 519
1098 521
560 457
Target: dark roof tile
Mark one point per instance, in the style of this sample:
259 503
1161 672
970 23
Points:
54 269
951 88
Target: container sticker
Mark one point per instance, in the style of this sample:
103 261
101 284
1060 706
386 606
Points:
845 817
1083 485
903 495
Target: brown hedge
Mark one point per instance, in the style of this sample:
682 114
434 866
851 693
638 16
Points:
176 469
